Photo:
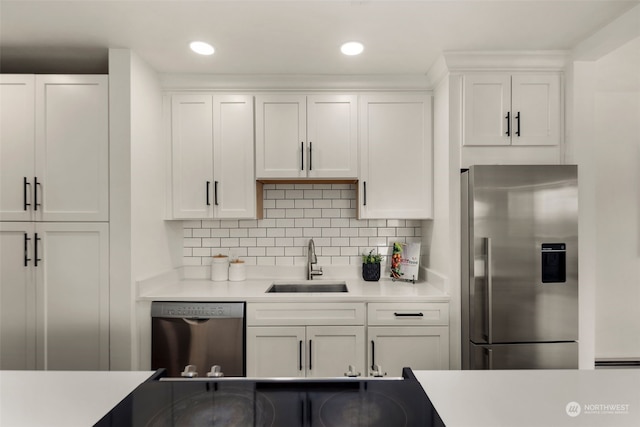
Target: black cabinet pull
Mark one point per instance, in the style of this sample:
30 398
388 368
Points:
26 250
518 121
301 155
300 356
35 193
35 250
207 192
364 189
373 355
215 193
508 117
408 314
310 355
310 156
25 183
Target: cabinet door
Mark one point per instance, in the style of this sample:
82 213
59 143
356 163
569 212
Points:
332 132
276 351
17 297
17 146
72 294
333 348
535 106
417 347
396 157
234 180
72 148
192 156
281 129
487 109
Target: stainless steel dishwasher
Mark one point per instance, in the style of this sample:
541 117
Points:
198 338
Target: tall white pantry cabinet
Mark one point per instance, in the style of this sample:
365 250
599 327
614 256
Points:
54 231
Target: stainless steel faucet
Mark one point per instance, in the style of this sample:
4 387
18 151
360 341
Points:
312 259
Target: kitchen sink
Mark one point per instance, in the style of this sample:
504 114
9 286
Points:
307 286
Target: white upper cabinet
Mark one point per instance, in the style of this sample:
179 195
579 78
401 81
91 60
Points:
17 146
504 109
54 148
332 136
396 171
192 155
299 136
212 156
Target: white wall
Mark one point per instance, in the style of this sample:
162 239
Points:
154 248
120 301
617 192
141 243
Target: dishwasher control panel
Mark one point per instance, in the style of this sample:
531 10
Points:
197 310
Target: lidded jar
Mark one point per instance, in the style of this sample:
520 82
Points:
237 271
220 268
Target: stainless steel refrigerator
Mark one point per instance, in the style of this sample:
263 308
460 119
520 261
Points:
520 267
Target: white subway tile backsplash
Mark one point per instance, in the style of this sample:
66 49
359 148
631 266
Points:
238 232
219 232
294 213
285 204
275 232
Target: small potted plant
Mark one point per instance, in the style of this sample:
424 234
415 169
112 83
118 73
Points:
371 266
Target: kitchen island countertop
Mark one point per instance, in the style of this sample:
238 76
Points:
535 398
63 398
462 398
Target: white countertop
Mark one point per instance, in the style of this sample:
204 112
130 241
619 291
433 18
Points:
608 397
176 286
535 398
62 398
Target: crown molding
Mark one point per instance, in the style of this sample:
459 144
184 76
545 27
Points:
292 82
555 60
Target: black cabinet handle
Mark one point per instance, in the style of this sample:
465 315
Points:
35 250
207 193
26 250
518 121
25 183
373 355
408 314
364 189
300 356
508 117
310 156
301 155
35 193
215 192
310 355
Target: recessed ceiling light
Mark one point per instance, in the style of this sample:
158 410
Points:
352 48
202 48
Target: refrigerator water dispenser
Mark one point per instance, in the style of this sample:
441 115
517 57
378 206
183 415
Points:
554 263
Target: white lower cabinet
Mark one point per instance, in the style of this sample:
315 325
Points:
304 351
417 347
414 335
328 339
305 339
54 296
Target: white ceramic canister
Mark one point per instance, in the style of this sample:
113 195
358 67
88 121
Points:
237 271
220 268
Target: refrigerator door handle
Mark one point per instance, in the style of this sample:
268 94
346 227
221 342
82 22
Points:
489 297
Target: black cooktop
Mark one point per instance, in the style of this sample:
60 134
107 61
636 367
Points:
170 402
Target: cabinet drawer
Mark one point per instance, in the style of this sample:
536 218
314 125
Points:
303 314
405 314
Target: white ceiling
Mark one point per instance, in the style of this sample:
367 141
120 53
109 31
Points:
287 37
